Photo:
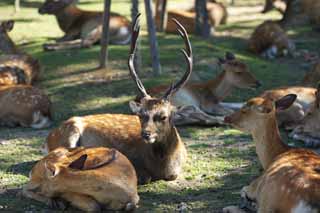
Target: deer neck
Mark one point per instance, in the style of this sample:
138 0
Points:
7 46
67 17
220 87
168 145
268 141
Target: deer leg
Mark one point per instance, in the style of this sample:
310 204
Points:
249 195
187 115
75 44
82 202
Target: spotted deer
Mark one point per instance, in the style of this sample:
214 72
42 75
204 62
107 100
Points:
270 41
91 179
291 176
83 28
24 105
201 103
279 5
149 139
217 14
16 67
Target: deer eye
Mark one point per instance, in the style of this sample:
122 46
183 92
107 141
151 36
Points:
160 118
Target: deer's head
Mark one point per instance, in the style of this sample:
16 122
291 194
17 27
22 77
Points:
257 111
238 73
6 26
55 6
310 125
156 114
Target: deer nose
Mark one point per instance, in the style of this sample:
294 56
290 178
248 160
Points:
258 84
227 120
146 135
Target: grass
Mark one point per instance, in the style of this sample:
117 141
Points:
220 160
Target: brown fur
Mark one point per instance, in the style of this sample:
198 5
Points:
90 179
83 28
291 175
16 67
217 14
267 35
24 105
207 95
312 77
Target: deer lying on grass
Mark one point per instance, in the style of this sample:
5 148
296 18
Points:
291 177
198 102
280 5
24 105
89 179
217 14
270 41
83 28
16 67
150 140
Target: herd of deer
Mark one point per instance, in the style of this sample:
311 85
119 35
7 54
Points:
114 152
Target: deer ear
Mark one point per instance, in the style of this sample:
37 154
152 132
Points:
51 169
79 163
230 56
8 25
285 102
135 106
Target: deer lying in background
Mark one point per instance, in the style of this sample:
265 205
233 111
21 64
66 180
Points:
198 102
270 41
150 140
89 179
280 5
291 177
24 105
83 28
308 129
16 67
217 14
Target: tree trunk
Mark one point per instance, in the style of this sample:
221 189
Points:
152 39
160 14
202 23
17 6
134 13
105 34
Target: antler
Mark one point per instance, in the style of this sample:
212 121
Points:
133 73
188 56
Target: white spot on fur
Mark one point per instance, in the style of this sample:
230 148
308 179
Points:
303 207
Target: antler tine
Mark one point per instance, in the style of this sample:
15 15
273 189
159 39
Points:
187 52
133 73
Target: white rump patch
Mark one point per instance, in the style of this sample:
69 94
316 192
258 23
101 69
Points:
303 207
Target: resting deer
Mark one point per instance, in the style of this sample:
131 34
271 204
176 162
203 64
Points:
150 140
83 28
291 176
217 14
308 128
16 67
270 41
25 106
89 179
200 103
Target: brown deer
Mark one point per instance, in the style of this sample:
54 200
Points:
291 176
309 128
83 28
24 105
150 140
16 67
217 14
270 41
200 103
90 179
280 5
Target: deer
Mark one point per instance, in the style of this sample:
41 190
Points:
291 177
24 105
16 67
90 179
83 28
217 15
270 41
148 139
201 102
